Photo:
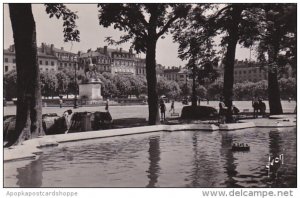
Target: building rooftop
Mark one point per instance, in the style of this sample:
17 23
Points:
92 54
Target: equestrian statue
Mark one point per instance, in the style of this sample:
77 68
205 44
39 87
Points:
90 70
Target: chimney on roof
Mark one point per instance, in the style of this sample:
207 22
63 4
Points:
62 48
130 50
105 50
43 47
79 53
120 49
52 48
179 66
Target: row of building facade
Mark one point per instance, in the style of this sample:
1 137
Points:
119 61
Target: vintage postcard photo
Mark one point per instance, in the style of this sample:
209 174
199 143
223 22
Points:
159 95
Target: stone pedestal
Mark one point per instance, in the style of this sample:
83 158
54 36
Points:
90 93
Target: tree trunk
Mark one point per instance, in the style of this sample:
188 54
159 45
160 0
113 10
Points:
29 105
273 86
194 97
273 50
230 58
152 82
274 93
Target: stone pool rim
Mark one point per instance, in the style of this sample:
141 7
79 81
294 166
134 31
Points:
31 149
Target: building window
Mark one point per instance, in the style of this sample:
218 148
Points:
60 64
6 68
240 72
41 62
245 72
46 69
6 60
52 63
249 71
46 63
70 64
66 64
14 60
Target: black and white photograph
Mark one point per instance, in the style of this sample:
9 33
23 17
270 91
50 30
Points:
150 95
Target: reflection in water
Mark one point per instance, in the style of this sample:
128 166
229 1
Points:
275 141
179 159
154 158
30 175
196 163
203 168
274 147
229 166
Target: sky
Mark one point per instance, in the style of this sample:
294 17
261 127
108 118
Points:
92 35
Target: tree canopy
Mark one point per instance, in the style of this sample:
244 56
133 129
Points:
143 25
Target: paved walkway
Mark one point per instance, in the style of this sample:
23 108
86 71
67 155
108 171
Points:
141 111
286 121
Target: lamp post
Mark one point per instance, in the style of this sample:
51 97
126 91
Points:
75 98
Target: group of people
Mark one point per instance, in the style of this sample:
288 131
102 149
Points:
259 107
225 112
163 108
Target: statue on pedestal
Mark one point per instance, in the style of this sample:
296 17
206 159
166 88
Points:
90 72
90 88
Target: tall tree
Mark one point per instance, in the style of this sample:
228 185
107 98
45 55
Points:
234 23
232 28
144 24
29 105
278 36
196 45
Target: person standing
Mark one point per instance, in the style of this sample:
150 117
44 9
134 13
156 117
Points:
172 107
222 111
262 107
255 105
162 110
60 102
67 116
106 105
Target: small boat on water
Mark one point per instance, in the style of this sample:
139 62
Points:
240 147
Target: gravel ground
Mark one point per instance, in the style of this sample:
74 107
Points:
141 111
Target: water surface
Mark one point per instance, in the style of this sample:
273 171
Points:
164 159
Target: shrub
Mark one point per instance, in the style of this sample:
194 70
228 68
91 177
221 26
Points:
199 112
